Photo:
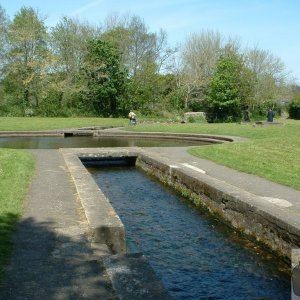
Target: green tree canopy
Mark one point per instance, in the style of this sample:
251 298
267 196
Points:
28 56
106 79
228 90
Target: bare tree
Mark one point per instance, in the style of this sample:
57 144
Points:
4 46
263 63
270 77
200 54
69 39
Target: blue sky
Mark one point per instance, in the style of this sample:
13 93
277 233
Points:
271 25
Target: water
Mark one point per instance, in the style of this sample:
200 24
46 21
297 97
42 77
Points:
196 256
89 141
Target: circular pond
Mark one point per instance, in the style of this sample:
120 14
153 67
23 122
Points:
56 142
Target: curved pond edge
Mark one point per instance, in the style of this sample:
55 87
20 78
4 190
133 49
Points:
208 138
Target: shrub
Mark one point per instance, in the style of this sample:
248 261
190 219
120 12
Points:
294 107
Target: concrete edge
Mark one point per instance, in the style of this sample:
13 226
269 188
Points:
276 228
104 224
208 138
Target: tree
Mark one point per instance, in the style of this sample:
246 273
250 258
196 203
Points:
270 77
145 54
105 78
69 42
4 23
199 56
28 56
294 107
228 90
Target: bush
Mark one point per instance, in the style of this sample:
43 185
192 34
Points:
294 107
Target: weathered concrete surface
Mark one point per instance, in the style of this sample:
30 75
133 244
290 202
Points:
31 133
133 278
116 132
105 225
266 217
53 258
208 138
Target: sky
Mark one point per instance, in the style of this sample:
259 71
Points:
271 25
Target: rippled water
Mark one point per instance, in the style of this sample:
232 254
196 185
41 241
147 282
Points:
196 256
34 142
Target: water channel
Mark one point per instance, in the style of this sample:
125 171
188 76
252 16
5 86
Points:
195 255
53 142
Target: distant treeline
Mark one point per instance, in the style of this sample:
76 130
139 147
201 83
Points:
76 69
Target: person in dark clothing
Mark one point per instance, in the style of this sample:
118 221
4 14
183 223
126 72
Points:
270 115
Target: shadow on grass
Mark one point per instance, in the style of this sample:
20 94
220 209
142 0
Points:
49 263
7 227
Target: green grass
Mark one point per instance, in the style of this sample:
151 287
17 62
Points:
11 124
16 170
272 152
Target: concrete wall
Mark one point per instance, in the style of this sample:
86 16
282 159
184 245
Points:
271 226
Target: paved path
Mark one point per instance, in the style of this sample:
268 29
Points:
53 258
251 183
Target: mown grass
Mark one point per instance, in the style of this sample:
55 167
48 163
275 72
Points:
16 170
271 152
11 124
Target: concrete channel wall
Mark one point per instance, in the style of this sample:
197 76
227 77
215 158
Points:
104 224
269 225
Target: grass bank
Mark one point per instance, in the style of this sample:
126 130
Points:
13 123
271 152
16 170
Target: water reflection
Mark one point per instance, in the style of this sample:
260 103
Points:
88 142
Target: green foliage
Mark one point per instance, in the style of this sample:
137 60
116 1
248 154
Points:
294 107
224 98
197 119
60 72
28 55
106 82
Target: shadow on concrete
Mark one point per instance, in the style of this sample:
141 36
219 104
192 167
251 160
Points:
52 263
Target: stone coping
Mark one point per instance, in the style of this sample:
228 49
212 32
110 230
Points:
209 138
104 224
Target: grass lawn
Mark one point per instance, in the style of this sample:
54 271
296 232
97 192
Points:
16 170
272 152
11 124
